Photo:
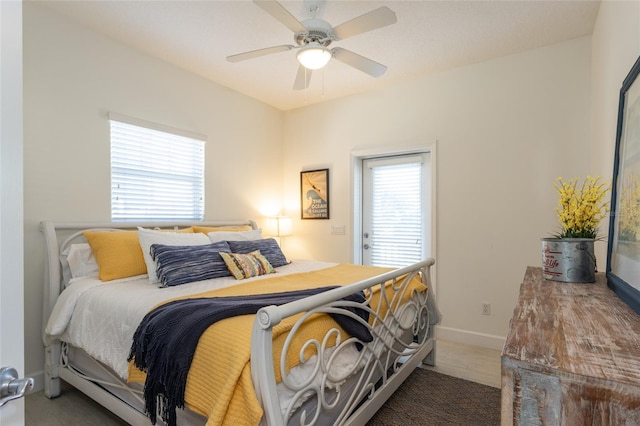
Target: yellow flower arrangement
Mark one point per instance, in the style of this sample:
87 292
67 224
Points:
580 209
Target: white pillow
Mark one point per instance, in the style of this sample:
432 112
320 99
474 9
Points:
217 236
82 262
148 237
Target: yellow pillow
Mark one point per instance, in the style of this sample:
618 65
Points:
207 229
118 254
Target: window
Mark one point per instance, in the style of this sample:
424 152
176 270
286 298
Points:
157 173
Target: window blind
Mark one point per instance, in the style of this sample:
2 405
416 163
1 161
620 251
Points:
155 175
396 220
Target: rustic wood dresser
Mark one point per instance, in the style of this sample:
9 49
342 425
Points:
571 357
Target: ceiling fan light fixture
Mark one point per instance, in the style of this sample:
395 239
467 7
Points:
314 56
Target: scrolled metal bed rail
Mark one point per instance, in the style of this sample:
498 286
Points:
400 325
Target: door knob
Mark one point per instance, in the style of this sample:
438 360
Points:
11 387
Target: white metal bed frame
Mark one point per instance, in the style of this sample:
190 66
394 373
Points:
403 339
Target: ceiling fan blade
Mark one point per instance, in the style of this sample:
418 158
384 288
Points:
365 65
278 11
303 77
375 19
260 52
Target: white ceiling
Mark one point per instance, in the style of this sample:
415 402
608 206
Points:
430 36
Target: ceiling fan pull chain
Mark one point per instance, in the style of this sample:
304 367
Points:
323 83
306 86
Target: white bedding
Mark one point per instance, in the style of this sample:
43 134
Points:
101 318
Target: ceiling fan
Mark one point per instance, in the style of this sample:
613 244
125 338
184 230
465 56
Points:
313 36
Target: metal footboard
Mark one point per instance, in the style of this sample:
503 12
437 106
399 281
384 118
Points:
332 392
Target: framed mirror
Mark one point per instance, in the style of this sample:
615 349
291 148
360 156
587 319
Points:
623 251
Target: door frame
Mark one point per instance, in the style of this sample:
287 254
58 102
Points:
356 192
11 202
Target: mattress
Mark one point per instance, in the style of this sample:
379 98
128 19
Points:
97 321
101 318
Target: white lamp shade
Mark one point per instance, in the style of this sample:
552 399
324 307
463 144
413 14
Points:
278 226
314 56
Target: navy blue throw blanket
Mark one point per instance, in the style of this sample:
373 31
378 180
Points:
165 341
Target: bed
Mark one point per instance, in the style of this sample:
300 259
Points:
344 339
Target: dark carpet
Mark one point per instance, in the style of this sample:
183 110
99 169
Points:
430 398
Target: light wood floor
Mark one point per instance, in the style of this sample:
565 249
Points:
480 365
72 408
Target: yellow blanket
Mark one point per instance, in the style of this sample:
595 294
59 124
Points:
219 384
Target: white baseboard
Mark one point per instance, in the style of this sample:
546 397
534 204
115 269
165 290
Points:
470 337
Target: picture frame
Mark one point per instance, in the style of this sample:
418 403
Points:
623 249
314 194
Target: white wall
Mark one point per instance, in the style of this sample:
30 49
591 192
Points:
72 78
506 129
616 47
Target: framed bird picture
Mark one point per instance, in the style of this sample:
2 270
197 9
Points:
314 194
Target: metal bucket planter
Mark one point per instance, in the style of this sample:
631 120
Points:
568 260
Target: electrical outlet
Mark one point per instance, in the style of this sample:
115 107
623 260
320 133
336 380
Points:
486 308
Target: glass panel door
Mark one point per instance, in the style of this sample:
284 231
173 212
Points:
396 208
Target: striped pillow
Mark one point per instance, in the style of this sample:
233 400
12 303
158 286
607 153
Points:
247 265
148 237
268 247
184 264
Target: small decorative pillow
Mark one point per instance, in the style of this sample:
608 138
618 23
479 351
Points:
268 247
254 234
184 264
118 253
247 265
